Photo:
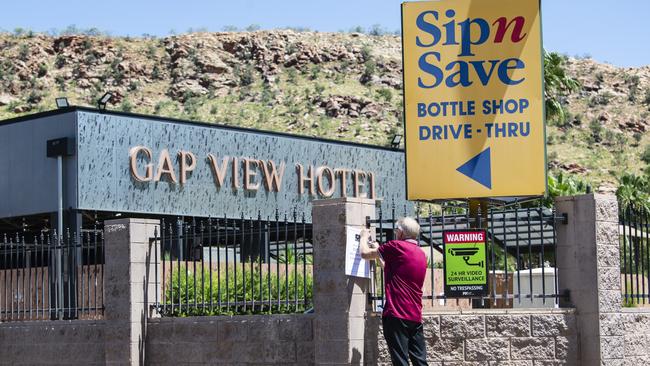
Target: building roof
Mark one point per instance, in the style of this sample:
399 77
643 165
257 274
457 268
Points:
70 109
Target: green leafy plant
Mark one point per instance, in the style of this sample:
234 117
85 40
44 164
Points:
273 293
563 185
291 257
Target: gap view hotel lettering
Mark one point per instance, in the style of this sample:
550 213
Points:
257 173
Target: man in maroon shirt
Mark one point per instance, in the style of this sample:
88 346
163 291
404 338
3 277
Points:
405 267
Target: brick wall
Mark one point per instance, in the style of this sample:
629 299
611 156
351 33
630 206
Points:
241 340
522 338
76 342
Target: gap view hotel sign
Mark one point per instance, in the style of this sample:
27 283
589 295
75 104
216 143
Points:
149 165
473 99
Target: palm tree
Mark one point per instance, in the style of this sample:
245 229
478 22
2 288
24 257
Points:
634 190
557 85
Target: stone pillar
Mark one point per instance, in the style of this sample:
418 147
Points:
588 262
339 301
129 287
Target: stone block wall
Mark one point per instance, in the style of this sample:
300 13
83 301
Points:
240 340
78 342
472 338
593 329
628 332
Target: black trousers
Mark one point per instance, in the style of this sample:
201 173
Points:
405 340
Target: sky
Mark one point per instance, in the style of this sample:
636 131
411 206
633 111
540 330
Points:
617 32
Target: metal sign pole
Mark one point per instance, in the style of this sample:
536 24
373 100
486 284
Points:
58 256
58 148
478 213
59 166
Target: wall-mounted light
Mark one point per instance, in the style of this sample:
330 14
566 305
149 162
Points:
101 102
397 139
62 102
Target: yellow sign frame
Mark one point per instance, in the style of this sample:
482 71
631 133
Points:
473 99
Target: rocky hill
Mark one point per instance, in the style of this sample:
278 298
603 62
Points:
335 85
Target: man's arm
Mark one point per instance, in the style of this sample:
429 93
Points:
367 252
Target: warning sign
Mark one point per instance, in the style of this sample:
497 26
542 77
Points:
465 263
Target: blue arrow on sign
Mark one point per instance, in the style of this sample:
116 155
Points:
479 168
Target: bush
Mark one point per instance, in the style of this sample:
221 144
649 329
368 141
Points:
151 51
314 72
191 105
386 94
377 30
603 98
645 156
133 85
42 70
158 107
366 53
368 72
155 73
596 130
319 89
23 52
292 76
211 286
646 98
59 61
245 75
563 185
126 105
60 82
268 95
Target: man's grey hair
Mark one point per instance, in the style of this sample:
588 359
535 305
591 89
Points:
409 227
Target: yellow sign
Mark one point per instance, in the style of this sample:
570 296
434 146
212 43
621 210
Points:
473 99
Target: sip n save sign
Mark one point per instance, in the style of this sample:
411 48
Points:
473 99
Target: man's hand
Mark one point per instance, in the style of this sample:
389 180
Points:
366 250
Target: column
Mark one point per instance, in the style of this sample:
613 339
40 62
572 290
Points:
339 301
588 261
129 287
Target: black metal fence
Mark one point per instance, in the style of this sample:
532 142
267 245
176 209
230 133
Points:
235 266
634 234
521 253
47 277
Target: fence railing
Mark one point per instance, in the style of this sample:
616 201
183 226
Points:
234 266
634 234
521 257
47 277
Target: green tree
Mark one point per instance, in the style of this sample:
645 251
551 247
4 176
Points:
557 85
634 190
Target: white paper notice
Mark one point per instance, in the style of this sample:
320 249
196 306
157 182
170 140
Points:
354 264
